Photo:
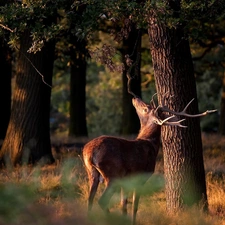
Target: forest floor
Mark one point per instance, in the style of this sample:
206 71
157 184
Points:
57 194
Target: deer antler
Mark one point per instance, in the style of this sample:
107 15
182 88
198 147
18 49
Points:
167 122
183 112
176 123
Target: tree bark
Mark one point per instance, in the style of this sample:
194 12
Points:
132 48
5 87
182 148
78 125
28 135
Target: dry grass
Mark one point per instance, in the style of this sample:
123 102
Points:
57 194
214 159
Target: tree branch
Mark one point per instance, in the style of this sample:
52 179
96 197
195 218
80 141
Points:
208 48
6 28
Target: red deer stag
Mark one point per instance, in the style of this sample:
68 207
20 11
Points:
115 158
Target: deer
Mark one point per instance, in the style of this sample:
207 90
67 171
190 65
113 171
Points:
113 158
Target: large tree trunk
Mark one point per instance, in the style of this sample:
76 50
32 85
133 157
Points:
132 48
78 125
28 137
182 148
5 87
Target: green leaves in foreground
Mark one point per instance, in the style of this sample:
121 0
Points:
144 184
13 199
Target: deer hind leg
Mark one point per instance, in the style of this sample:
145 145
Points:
94 177
123 201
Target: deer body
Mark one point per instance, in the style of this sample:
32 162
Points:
124 156
115 158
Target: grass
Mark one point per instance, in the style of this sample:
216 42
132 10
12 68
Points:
57 194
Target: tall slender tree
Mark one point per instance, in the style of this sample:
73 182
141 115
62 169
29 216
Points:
78 64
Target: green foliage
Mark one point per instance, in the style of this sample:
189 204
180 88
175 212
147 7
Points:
43 18
103 102
60 90
47 19
209 74
103 99
14 199
154 184
208 99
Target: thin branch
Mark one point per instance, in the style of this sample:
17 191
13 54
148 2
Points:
149 79
6 28
202 55
42 76
208 48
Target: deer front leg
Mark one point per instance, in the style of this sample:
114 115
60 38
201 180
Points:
136 198
105 198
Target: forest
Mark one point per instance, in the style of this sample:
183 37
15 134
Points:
69 70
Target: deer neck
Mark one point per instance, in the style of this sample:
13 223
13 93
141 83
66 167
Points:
152 134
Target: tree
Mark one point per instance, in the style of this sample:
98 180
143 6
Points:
131 54
182 148
28 138
5 86
78 65
36 24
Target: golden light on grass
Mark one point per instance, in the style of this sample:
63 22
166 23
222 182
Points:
216 193
50 182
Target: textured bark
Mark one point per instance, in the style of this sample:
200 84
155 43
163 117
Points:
78 125
28 137
131 47
182 148
5 87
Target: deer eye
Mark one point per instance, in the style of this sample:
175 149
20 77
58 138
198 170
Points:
145 110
